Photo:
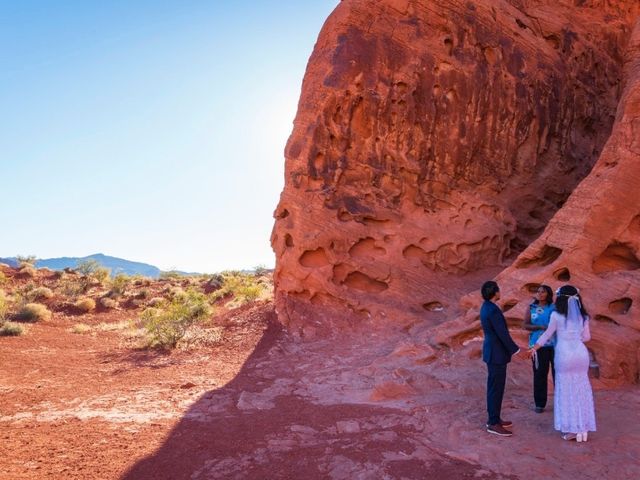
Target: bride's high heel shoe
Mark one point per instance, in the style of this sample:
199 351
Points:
581 437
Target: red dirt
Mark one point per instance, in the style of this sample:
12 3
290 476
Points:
260 405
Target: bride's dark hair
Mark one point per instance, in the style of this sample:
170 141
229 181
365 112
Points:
562 300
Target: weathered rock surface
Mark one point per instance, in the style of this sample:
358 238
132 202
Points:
434 138
592 242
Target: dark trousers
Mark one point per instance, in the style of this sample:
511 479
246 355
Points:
540 374
496 380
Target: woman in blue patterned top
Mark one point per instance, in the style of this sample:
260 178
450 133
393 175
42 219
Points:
537 320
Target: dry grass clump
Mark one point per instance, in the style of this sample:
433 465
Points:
85 305
141 281
81 328
33 312
3 278
40 293
143 294
155 302
108 303
10 329
27 271
4 306
197 336
71 286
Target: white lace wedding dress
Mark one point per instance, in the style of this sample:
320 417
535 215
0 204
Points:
573 408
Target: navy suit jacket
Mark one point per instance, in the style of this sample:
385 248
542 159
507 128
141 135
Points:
498 345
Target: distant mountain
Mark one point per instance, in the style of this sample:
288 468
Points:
12 262
117 265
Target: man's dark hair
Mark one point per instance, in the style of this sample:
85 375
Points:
489 289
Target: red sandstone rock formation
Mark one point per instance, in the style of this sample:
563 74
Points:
434 138
592 242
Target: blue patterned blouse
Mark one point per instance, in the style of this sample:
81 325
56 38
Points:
540 316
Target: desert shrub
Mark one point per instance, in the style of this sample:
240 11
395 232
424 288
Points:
171 275
92 268
243 287
143 294
260 270
119 285
108 303
141 280
40 293
215 282
27 271
80 328
10 329
33 312
167 326
26 260
4 306
85 305
135 302
155 302
176 292
71 286
3 278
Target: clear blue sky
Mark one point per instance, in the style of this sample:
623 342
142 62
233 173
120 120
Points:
149 130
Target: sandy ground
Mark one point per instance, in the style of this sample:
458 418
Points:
371 404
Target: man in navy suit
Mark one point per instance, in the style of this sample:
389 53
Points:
497 349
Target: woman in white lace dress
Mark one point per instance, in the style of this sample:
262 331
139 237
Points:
573 409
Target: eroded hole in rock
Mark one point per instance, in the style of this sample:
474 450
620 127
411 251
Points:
314 258
521 24
562 274
546 256
413 251
340 272
366 248
364 283
616 257
509 304
284 213
433 306
531 288
465 338
288 240
373 221
448 45
620 306
604 318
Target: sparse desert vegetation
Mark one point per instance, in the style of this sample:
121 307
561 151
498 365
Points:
33 312
169 312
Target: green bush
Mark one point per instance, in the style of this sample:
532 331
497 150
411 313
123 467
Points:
10 329
119 285
33 312
243 287
165 327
